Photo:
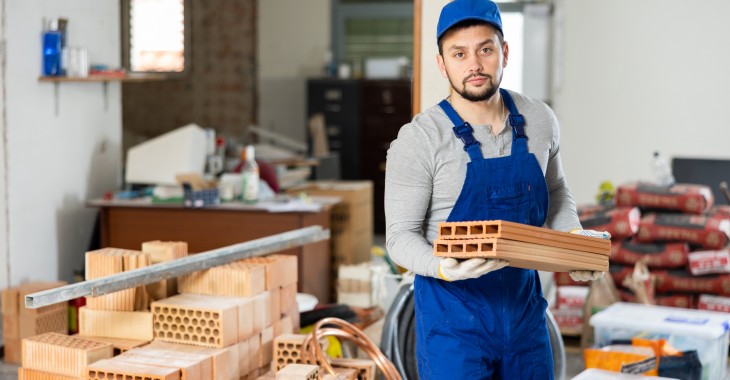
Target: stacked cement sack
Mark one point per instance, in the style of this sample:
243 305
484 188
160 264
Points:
680 235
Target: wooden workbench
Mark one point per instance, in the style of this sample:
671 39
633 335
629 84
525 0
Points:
127 224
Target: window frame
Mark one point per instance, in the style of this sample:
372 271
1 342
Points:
187 43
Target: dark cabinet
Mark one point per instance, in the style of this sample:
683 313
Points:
362 117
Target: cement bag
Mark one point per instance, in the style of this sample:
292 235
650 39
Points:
699 230
687 198
686 301
655 255
621 223
707 262
678 280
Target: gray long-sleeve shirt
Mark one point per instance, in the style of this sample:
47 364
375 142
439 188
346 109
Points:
426 168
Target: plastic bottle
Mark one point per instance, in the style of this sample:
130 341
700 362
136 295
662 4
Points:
662 172
250 177
52 40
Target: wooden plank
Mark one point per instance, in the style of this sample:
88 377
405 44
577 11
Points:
522 232
175 268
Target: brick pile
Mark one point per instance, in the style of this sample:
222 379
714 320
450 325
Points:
121 315
20 323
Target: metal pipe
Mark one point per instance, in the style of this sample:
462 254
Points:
179 267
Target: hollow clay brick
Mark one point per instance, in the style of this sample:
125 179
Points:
287 350
298 372
11 326
62 354
281 270
222 363
267 347
136 325
365 367
161 251
209 321
114 369
32 374
288 298
241 279
13 299
13 350
521 232
108 261
54 321
120 344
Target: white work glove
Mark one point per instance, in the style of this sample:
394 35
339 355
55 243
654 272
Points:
588 275
451 269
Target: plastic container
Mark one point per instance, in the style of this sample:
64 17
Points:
684 329
600 374
662 171
51 53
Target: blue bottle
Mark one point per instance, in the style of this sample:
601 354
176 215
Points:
51 53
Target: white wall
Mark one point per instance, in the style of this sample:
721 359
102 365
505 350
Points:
293 37
4 273
631 77
639 76
56 162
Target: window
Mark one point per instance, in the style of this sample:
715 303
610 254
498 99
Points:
156 35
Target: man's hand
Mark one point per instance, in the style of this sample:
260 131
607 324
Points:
451 269
587 275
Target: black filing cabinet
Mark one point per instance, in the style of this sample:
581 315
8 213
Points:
362 117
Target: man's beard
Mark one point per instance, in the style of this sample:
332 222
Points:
480 94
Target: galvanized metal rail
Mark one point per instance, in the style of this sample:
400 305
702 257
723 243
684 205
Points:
175 268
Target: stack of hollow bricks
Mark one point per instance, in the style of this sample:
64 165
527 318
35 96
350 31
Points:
221 326
523 245
120 315
288 351
20 323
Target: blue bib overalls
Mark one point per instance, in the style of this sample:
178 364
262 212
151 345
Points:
492 327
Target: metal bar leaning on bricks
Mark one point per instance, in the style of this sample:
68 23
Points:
175 268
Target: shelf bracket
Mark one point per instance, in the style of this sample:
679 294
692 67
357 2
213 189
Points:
56 98
105 93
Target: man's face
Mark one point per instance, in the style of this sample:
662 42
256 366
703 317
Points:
473 60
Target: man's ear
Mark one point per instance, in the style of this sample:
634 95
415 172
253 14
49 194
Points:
505 52
442 66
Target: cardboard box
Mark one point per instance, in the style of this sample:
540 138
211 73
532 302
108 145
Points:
351 222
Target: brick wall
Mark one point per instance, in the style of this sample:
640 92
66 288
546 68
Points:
220 89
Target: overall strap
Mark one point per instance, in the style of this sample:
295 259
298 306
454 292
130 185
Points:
463 131
517 121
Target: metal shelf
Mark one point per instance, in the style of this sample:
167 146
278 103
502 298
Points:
104 79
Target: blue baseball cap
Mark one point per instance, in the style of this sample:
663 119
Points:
461 10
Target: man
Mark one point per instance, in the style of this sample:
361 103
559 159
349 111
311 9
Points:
483 153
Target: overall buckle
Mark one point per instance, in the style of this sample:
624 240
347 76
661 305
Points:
517 121
465 132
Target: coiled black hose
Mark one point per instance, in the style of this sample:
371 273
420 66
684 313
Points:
398 340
